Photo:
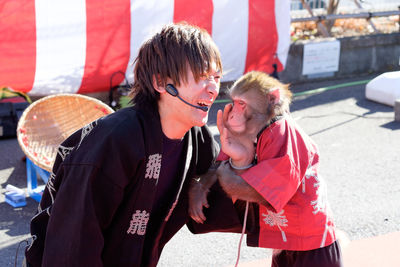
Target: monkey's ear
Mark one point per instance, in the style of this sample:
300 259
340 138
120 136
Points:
275 95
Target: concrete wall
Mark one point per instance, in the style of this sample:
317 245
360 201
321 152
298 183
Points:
360 55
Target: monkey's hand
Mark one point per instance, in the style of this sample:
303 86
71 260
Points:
198 191
241 150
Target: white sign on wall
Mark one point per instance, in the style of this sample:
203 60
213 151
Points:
321 57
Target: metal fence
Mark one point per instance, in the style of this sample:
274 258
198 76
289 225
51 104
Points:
316 10
346 5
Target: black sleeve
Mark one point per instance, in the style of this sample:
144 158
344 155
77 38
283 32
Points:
207 149
90 185
84 206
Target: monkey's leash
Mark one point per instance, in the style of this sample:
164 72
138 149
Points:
243 231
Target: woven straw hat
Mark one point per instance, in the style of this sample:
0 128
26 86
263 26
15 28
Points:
47 122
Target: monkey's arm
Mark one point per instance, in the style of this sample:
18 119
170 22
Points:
199 188
236 187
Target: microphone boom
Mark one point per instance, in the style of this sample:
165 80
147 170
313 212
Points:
174 92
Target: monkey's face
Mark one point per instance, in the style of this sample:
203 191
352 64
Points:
247 112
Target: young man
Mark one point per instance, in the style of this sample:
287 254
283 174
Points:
118 190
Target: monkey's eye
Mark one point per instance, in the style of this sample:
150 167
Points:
239 103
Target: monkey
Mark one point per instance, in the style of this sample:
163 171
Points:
253 107
256 103
273 164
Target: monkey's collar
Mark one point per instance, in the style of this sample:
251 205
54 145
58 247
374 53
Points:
239 168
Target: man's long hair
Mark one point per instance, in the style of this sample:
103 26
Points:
167 55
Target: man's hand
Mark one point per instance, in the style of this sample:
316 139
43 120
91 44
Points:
199 188
197 200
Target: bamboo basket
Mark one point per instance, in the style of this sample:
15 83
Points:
47 122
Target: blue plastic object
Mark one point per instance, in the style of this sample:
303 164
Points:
33 172
15 199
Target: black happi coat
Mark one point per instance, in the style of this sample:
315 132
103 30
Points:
97 203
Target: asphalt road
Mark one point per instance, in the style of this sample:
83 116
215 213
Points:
359 145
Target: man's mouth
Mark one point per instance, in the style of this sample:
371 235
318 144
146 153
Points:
204 104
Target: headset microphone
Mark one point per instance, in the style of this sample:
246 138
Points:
174 92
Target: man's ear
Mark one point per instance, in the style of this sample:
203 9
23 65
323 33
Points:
157 84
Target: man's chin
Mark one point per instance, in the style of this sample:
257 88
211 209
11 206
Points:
202 122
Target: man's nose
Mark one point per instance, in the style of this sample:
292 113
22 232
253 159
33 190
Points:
213 87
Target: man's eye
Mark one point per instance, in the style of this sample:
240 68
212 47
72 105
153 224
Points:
210 77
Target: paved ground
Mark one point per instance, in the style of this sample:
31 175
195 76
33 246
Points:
360 159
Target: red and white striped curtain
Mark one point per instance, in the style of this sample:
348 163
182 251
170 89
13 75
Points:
74 46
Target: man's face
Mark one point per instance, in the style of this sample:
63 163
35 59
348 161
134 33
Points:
201 93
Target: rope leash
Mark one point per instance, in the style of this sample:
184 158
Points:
243 230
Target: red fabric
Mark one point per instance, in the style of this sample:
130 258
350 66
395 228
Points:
260 55
18 44
194 12
286 175
16 99
109 40
108 33
222 156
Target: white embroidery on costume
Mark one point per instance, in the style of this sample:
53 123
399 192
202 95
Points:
153 166
39 212
64 151
138 223
34 237
39 209
277 219
86 131
311 172
48 211
319 205
325 233
50 186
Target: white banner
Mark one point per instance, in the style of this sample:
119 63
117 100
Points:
75 46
